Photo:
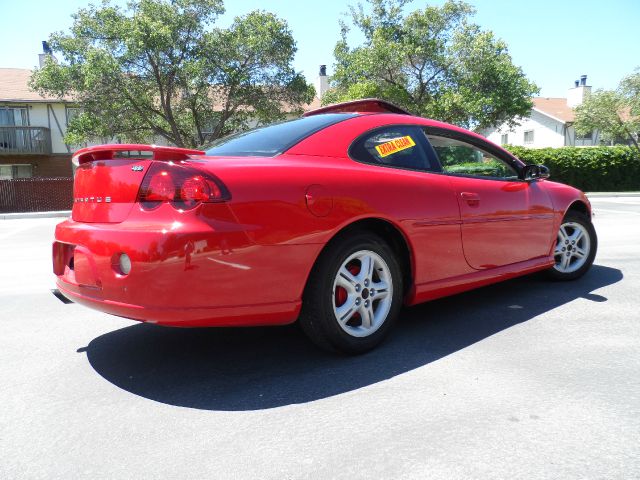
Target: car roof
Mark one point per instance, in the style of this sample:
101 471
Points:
368 106
335 140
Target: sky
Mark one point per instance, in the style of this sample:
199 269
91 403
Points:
553 41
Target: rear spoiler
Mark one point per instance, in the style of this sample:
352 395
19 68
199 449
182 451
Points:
366 105
107 152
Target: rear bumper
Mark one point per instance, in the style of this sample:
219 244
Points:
230 316
189 269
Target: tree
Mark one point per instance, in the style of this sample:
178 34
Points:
432 62
630 90
614 113
158 68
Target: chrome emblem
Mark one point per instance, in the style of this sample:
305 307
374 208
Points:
92 200
137 168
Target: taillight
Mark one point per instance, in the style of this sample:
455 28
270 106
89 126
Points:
197 189
183 186
161 188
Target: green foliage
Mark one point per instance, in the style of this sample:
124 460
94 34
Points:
160 68
487 168
614 113
432 62
592 169
456 155
630 90
474 168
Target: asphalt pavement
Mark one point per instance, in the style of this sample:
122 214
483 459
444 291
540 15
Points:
527 379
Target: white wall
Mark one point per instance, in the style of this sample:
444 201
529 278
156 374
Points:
39 116
576 95
46 114
574 141
547 132
321 85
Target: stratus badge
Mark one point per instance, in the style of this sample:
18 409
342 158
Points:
92 199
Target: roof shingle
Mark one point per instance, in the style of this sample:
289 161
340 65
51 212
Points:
555 107
14 87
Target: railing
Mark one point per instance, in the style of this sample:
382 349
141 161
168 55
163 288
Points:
24 140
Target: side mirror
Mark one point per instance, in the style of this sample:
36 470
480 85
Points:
531 173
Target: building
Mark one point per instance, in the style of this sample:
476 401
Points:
321 85
550 123
32 128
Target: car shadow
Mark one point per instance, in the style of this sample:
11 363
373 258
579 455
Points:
260 368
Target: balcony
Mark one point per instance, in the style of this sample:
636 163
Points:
24 140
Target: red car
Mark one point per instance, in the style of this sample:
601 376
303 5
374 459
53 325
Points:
336 220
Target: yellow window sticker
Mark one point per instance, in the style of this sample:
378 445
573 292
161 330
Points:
394 146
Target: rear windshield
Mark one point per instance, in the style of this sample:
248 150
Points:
274 139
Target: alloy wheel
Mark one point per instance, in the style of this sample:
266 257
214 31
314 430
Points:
362 293
572 247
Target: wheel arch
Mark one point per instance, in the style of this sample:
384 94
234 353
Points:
389 232
579 206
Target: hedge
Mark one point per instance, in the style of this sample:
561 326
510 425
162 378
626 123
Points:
592 169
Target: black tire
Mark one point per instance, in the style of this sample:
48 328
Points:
317 317
556 272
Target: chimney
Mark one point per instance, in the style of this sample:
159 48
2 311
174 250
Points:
46 52
322 82
579 92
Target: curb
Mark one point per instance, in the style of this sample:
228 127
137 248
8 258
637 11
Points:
15 216
613 194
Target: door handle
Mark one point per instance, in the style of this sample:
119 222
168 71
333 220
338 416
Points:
472 199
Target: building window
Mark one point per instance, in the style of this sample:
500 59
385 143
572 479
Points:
586 136
504 139
9 172
14 116
528 136
72 112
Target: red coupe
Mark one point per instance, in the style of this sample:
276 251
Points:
336 220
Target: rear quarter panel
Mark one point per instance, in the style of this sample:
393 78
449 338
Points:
269 200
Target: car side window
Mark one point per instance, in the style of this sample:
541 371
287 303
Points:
460 158
401 146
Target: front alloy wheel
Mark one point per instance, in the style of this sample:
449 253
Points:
572 247
575 248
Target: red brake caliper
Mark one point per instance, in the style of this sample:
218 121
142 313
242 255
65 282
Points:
341 293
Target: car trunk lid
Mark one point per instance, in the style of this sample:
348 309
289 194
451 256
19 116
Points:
106 187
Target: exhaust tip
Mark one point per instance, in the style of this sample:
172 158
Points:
60 296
